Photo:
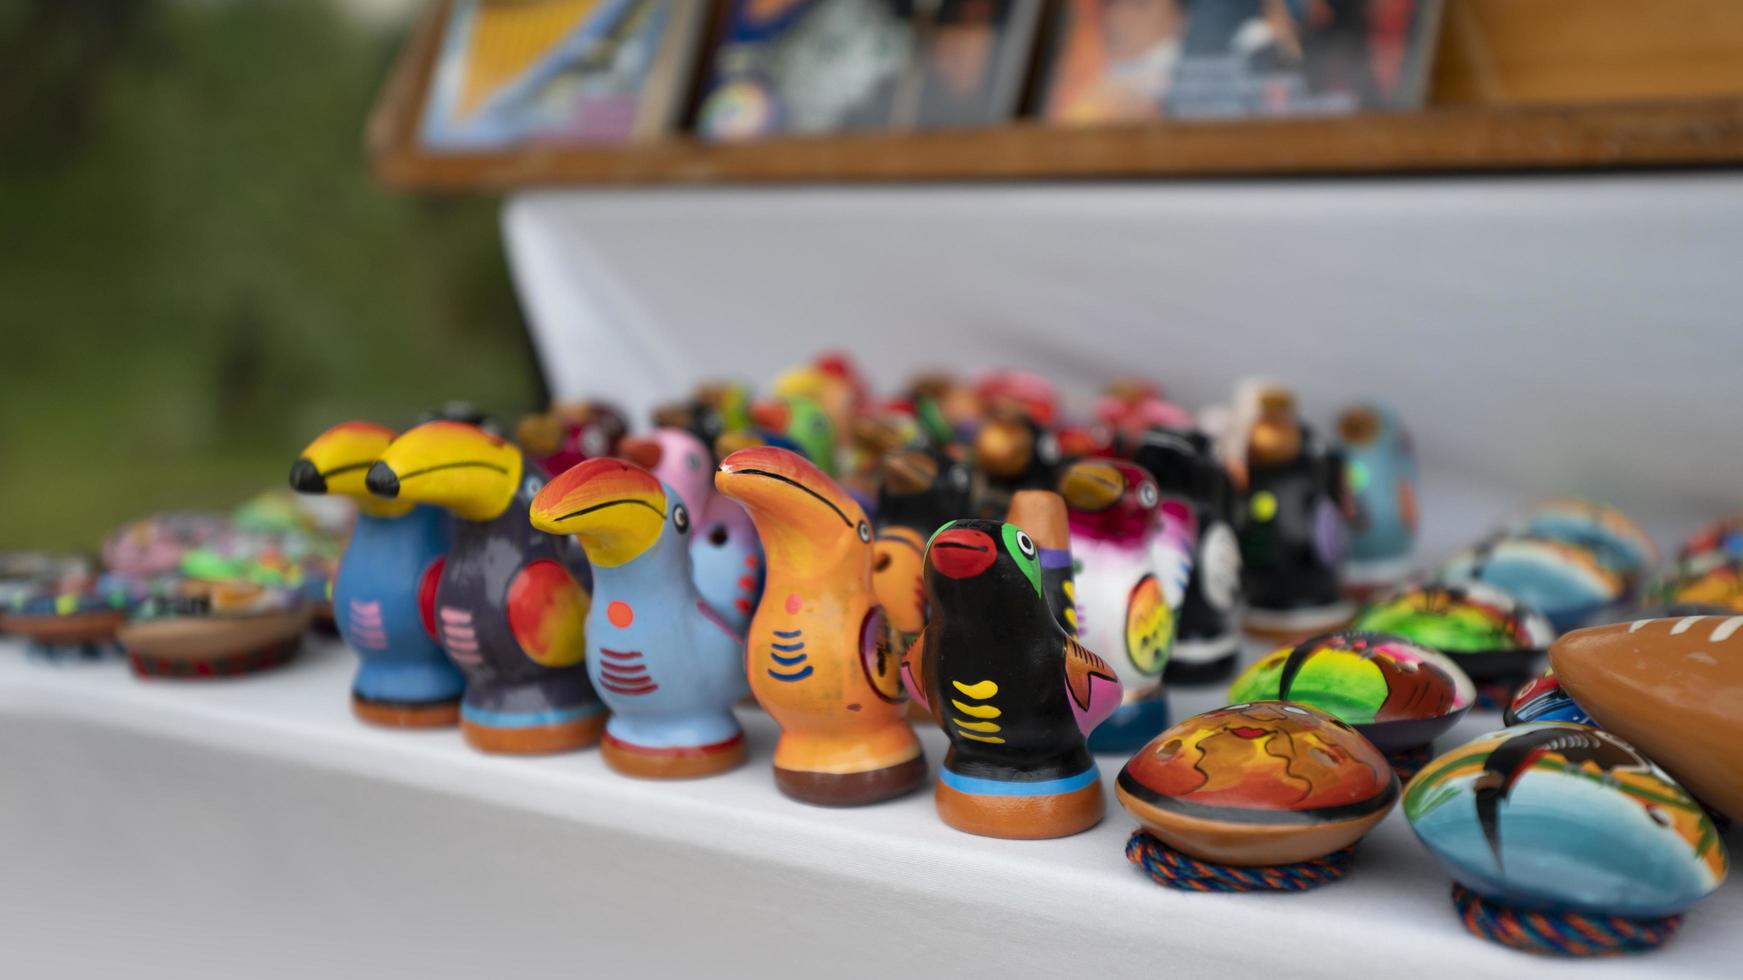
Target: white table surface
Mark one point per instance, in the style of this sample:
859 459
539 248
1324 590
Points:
250 827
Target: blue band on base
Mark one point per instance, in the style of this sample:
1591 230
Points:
977 786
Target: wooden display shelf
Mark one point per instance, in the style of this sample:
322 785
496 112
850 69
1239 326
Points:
1498 136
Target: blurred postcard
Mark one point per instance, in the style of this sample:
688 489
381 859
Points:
1127 60
512 72
825 66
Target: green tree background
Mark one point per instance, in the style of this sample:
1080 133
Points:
196 273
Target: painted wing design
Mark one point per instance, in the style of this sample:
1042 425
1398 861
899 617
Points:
1092 684
547 612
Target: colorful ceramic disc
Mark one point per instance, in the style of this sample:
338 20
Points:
1566 582
1554 815
1617 540
1544 699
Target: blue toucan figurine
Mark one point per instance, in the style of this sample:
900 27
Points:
666 664
510 608
384 594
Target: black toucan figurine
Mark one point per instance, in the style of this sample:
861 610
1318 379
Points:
510 608
1184 465
919 490
1016 694
1014 452
1510 760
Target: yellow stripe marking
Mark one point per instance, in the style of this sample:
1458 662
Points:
980 691
975 726
975 710
994 739
1071 617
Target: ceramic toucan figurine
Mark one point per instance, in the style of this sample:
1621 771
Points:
510 610
1014 692
1184 465
1134 554
666 665
1014 452
919 491
726 557
819 656
803 424
384 594
1380 474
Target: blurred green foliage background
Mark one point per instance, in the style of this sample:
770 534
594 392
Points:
196 273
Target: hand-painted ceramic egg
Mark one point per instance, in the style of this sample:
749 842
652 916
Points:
1619 542
1483 630
1380 476
1568 583
1264 783
1674 687
1557 816
1543 699
1397 694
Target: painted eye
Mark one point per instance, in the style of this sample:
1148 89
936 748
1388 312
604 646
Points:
1025 545
1147 495
681 519
958 478
864 530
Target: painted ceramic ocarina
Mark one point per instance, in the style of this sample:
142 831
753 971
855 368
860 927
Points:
384 593
818 655
726 557
803 424
214 629
1133 553
1544 699
1619 543
1482 629
1293 536
1674 687
1568 583
669 668
1555 816
1265 783
1014 692
1184 466
1396 694
1380 475
1014 452
508 608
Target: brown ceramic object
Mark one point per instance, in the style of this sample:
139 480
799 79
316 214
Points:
1671 687
542 740
73 630
851 788
395 714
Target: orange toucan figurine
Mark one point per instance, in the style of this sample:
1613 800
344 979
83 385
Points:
819 656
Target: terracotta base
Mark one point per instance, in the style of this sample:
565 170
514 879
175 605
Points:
407 714
689 762
227 665
852 788
565 736
1021 817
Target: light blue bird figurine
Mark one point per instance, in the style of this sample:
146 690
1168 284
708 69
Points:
665 663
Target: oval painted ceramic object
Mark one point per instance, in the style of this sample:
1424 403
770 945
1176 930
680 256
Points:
1723 539
1544 699
1264 783
208 629
1482 629
1559 816
1569 584
1396 693
1712 579
1619 542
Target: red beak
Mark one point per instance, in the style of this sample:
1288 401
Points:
962 552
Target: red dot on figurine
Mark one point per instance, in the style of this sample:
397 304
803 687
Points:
743 605
620 614
794 602
747 582
750 561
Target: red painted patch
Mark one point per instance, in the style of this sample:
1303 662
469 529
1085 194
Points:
432 577
794 602
747 582
743 605
620 614
750 561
